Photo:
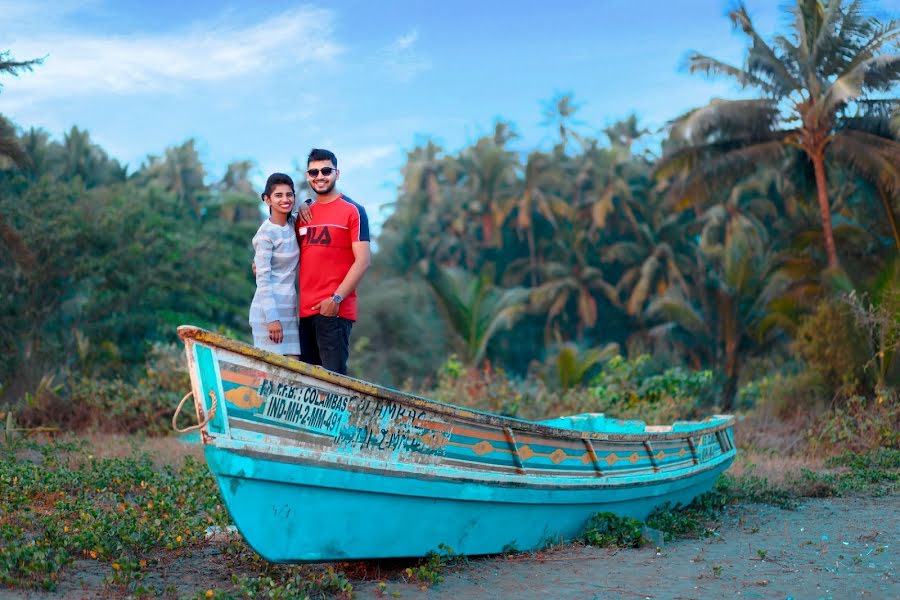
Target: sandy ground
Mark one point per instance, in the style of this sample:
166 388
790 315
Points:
827 548
832 548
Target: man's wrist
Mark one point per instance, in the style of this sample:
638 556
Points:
337 298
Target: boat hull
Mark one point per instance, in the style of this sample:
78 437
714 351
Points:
315 466
291 512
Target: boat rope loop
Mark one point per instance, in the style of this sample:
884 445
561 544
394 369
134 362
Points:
209 415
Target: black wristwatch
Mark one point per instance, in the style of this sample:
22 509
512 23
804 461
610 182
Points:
337 298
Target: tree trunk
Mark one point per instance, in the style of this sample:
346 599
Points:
731 337
729 391
818 160
532 257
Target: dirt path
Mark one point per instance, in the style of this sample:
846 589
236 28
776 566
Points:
833 548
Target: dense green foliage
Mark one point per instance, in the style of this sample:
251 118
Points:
751 250
715 255
98 267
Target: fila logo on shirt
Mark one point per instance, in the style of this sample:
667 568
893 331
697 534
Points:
318 235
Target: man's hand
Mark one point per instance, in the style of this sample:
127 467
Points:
303 213
327 308
276 333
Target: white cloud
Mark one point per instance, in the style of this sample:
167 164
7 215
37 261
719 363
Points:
85 64
401 60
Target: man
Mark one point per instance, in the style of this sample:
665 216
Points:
334 256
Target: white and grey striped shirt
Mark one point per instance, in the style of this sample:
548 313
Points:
277 259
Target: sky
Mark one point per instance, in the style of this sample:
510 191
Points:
270 80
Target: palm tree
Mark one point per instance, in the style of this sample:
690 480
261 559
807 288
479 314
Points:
559 113
179 172
623 134
723 318
490 174
538 195
571 280
236 196
833 69
428 222
474 308
650 254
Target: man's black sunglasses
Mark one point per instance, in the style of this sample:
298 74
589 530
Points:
326 171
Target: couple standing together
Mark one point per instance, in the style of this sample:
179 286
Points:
328 243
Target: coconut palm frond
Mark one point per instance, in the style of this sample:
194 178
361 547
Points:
507 309
709 66
625 252
725 119
761 59
877 73
873 157
475 308
573 364
678 310
883 72
829 28
871 116
723 171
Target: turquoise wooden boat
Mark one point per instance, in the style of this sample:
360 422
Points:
315 466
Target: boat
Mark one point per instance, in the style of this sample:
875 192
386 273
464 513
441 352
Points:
317 466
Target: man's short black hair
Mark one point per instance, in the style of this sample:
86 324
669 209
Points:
321 154
277 179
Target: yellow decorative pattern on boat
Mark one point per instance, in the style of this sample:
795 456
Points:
557 456
482 447
244 397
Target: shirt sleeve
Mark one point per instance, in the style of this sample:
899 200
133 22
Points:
264 246
359 224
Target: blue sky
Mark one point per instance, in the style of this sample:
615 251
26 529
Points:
267 81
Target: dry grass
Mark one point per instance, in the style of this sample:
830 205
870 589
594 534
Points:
759 431
162 450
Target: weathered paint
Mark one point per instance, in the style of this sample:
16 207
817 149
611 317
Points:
313 465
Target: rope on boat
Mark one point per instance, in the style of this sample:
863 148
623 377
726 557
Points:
201 424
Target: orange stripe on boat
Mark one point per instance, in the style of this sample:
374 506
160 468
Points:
241 379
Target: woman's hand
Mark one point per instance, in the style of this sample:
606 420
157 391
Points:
276 332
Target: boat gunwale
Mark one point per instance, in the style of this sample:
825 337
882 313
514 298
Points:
203 336
589 484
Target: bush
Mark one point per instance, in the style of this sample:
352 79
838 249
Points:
833 347
858 425
625 389
484 389
143 404
610 530
785 395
